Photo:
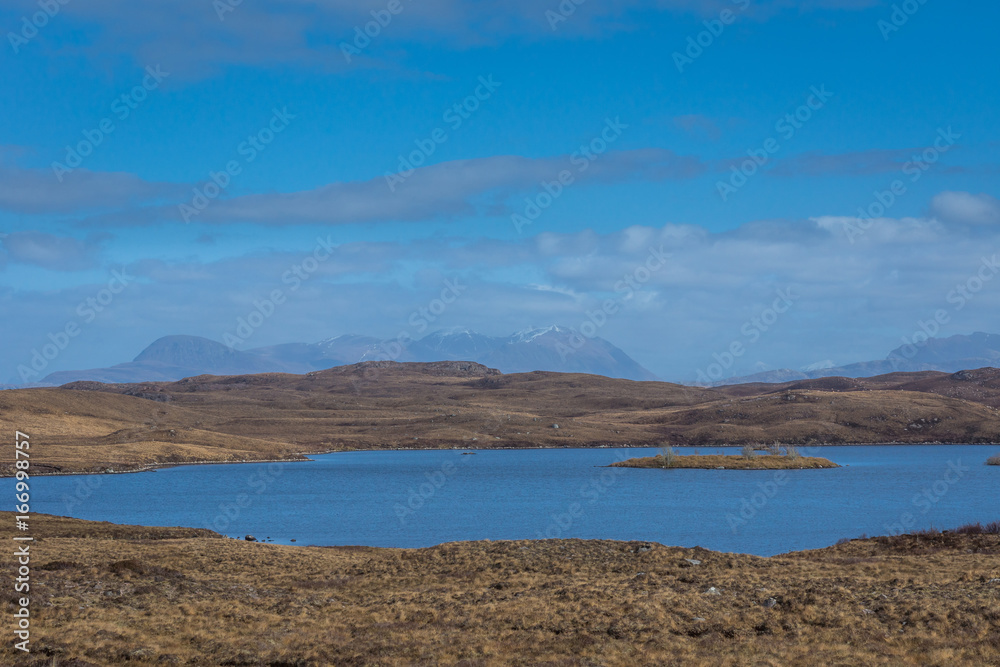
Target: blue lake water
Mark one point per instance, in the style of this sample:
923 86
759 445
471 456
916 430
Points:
423 498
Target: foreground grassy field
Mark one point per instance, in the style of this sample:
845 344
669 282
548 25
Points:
114 595
729 462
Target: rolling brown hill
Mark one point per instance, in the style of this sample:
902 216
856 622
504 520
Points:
96 431
381 405
980 386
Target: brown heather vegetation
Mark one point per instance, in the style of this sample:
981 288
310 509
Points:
115 595
979 386
729 462
88 426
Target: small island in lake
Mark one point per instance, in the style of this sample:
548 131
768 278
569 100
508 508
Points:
749 459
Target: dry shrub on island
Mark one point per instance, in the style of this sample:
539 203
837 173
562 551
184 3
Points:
669 455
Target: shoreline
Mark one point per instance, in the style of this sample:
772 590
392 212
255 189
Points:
501 541
152 467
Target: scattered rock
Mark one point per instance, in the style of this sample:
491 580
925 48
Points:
555 426
698 619
713 591
770 603
250 538
691 562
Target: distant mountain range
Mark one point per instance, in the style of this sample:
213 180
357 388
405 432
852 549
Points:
546 349
551 348
949 355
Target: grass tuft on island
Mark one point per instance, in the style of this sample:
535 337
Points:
744 461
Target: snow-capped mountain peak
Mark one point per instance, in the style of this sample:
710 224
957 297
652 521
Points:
531 333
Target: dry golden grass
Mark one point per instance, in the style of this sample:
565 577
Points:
115 595
804 416
729 462
85 431
980 385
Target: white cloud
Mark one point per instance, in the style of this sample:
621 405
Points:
965 208
58 253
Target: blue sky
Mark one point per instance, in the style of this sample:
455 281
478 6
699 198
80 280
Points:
901 92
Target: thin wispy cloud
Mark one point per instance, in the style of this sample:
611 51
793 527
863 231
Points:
57 253
38 191
441 191
203 38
